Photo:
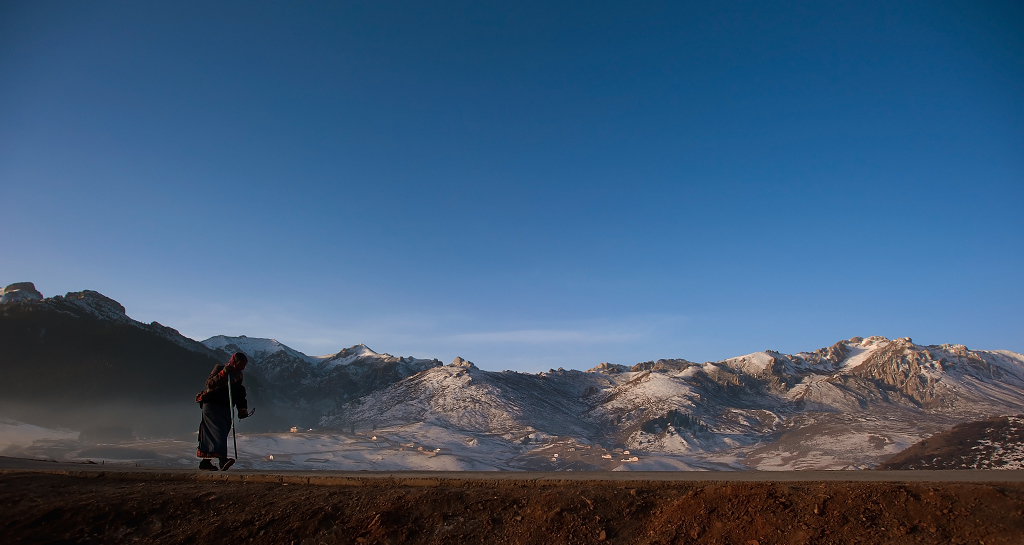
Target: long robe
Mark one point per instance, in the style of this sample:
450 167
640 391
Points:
213 431
216 423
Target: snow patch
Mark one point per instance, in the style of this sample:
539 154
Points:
751 364
255 348
859 354
349 355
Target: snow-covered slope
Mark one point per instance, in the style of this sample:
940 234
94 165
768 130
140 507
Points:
258 349
848 405
463 397
995 443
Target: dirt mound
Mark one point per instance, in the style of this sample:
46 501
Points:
995 443
107 508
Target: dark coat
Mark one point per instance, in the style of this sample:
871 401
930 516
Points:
216 389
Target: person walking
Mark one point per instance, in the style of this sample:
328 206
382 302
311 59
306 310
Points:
215 401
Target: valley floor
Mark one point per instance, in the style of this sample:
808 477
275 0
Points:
45 502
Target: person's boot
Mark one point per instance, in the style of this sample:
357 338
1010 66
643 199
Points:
207 465
225 463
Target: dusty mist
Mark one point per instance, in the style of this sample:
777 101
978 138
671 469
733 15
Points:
114 431
132 420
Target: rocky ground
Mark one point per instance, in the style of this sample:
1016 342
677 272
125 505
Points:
995 443
111 507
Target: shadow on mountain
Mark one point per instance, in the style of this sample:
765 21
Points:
79 362
993 443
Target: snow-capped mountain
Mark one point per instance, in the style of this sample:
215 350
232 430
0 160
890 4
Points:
301 388
260 350
463 397
848 405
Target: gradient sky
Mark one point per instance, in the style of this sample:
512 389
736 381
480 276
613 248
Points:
528 186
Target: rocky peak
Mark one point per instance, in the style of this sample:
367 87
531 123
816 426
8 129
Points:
910 369
663 365
357 350
835 353
956 349
20 291
465 364
96 302
609 368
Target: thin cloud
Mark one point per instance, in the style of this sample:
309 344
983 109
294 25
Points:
543 336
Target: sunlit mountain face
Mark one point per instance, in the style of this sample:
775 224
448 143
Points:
78 362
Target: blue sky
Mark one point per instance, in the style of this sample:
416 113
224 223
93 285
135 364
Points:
529 187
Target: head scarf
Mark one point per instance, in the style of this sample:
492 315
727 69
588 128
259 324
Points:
238 361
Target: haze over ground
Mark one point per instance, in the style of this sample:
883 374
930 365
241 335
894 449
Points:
526 186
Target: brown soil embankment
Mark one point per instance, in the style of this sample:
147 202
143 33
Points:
126 507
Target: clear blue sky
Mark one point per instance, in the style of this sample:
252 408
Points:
537 185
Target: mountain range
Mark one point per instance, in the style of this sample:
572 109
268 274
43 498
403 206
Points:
849 405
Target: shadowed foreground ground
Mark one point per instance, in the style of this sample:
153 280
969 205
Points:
99 506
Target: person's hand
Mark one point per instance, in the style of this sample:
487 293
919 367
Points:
243 414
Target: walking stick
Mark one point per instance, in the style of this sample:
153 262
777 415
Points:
231 411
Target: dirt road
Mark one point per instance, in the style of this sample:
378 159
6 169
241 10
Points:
68 503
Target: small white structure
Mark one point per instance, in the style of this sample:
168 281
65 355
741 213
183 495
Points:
294 429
